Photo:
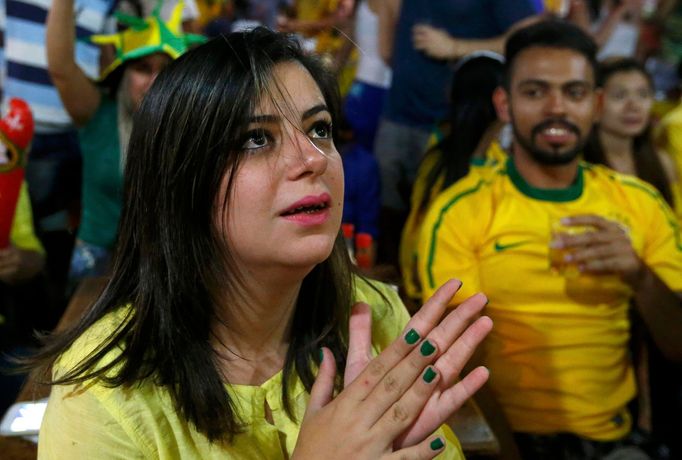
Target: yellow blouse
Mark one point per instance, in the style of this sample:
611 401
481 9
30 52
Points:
92 421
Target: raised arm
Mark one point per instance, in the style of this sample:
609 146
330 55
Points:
78 93
387 12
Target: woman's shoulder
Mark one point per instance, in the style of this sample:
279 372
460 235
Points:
94 339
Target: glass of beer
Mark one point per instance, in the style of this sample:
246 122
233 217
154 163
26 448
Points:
557 256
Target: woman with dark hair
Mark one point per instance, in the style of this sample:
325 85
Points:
622 137
229 306
471 128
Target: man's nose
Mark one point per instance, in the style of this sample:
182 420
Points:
556 103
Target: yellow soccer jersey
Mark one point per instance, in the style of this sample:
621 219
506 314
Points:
558 351
669 137
408 243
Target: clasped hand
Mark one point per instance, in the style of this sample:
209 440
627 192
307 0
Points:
392 404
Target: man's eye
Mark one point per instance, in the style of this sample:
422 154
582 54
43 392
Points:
533 92
321 130
255 140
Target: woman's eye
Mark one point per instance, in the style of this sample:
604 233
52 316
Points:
255 140
321 130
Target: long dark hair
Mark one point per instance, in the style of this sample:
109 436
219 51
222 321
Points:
171 264
648 165
471 113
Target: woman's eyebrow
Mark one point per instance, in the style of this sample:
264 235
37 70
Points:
270 118
313 110
264 118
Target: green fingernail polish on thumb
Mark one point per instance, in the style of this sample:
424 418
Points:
321 354
437 444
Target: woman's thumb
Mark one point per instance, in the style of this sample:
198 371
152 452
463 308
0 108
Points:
323 388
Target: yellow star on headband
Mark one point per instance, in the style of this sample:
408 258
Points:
148 36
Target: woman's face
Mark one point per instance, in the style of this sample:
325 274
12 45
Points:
287 198
140 74
627 104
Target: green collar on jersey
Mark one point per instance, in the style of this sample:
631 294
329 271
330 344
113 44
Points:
570 193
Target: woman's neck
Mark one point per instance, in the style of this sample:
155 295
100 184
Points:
618 151
251 333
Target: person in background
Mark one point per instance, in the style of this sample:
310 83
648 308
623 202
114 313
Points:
23 305
229 308
427 35
614 24
54 168
563 249
104 114
472 126
622 138
324 28
20 263
668 138
361 110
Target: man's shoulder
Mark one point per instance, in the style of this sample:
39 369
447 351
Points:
632 186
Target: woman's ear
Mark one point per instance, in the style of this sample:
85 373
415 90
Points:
501 103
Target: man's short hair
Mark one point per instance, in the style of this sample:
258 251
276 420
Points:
549 34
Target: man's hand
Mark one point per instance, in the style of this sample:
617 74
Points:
606 250
435 43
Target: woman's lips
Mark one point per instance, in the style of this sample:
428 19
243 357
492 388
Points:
310 210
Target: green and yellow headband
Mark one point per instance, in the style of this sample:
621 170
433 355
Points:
148 36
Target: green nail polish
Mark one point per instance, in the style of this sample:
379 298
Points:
437 444
429 375
427 348
411 337
321 352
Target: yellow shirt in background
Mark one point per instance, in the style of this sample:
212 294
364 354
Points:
558 353
22 234
92 421
408 242
669 138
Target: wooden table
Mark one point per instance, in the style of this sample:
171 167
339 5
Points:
470 425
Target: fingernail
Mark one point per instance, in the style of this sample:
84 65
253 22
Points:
321 354
437 444
429 374
411 337
427 348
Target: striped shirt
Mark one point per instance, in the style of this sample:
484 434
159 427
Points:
24 58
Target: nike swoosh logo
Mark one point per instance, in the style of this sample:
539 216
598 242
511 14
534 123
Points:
503 247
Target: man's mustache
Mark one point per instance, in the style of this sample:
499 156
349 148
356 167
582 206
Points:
555 122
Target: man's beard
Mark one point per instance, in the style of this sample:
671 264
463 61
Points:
550 157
